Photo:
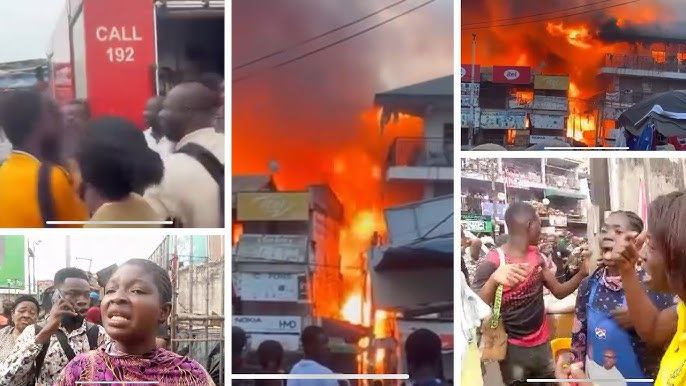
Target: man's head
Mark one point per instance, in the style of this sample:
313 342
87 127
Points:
270 355
609 359
73 286
238 342
77 113
522 221
315 343
188 107
151 113
423 352
30 121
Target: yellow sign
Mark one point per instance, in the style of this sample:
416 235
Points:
551 82
271 206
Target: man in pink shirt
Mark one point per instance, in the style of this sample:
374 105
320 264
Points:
523 276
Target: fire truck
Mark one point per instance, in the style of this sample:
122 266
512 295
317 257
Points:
118 53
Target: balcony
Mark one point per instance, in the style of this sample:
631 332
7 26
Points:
421 159
644 66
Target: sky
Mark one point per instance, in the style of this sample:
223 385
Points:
26 27
319 100
103 250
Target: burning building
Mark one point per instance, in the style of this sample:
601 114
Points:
511 106
411 269
287 267
615 54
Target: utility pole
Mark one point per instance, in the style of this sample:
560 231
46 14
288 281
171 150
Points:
472 121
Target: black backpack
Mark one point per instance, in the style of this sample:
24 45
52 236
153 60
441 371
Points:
92 334
212 165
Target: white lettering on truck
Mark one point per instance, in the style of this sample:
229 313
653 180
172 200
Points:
119 34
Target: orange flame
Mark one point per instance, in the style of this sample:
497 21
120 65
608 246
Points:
576 36
352 309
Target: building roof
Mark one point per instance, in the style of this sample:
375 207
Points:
415 99
434 87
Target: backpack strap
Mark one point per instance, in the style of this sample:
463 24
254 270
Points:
212 165
62 338
40 358
93 333
45 200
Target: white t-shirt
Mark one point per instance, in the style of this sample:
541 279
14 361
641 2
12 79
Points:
164 147
307 366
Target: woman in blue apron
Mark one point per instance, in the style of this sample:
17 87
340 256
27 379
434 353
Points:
611 350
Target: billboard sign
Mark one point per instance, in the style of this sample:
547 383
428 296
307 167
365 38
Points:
269 324
512 74
551 82
12 262
281 248
269 206
271 287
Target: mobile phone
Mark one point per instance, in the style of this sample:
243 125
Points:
67 320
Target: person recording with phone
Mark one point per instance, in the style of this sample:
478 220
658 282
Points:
42 351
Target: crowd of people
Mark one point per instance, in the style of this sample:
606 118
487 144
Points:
84 338
629 321
422 350
67 166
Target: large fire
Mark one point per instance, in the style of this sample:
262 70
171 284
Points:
576 42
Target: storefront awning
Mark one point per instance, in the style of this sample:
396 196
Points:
563 193
425 254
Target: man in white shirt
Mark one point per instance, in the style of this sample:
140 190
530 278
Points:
154 135
316 346
192 189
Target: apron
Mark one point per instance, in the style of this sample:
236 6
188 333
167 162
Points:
603 333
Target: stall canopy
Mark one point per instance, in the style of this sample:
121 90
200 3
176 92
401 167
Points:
433 253
666 111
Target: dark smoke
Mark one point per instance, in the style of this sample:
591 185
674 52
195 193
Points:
611 32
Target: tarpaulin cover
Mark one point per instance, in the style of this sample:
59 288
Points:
432 253
635 118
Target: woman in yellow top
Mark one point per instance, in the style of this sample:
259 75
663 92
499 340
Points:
117 166
664 249
33 124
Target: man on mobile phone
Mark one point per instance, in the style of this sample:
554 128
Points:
42 351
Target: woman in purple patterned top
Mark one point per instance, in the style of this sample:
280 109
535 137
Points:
137 301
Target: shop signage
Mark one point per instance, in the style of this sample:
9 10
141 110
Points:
551 82
281 248
270 206
269 324
274 287
558 221
512 74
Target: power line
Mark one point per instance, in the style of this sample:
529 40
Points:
308 40
556 17
535 14
342 40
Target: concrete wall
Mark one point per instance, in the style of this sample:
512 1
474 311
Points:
433 123
658 175
201 276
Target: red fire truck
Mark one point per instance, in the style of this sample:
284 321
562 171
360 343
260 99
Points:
118 53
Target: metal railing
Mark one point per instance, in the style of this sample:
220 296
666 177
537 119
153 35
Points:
420 151
647 63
